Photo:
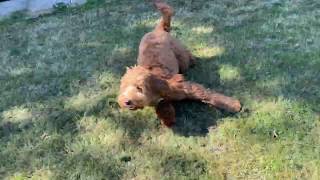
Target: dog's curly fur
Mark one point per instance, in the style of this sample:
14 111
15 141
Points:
156 80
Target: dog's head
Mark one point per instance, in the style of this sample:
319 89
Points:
140 88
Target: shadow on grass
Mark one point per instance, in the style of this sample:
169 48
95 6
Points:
194 118
180 165
34 144
84 165
176 162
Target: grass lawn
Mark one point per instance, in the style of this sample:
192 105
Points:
59 77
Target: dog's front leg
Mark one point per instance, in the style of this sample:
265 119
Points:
166 113
213 98
181 89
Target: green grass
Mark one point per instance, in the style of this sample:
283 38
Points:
59 77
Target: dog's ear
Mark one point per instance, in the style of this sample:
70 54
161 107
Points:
158 85
166 113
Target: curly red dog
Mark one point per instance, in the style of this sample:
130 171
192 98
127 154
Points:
155 80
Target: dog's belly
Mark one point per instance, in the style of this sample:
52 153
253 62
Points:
155 51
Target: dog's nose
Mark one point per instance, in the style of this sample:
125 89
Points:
128 102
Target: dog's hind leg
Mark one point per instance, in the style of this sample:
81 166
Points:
183 55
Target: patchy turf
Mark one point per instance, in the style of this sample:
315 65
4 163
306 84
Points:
59 77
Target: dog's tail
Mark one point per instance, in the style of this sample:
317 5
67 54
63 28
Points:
167 13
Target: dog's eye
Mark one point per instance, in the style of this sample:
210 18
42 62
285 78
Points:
139 89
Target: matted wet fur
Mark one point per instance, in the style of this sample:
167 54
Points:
156 80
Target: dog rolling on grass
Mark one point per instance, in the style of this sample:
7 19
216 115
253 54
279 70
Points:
157 81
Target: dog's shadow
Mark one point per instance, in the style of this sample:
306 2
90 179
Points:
196 118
